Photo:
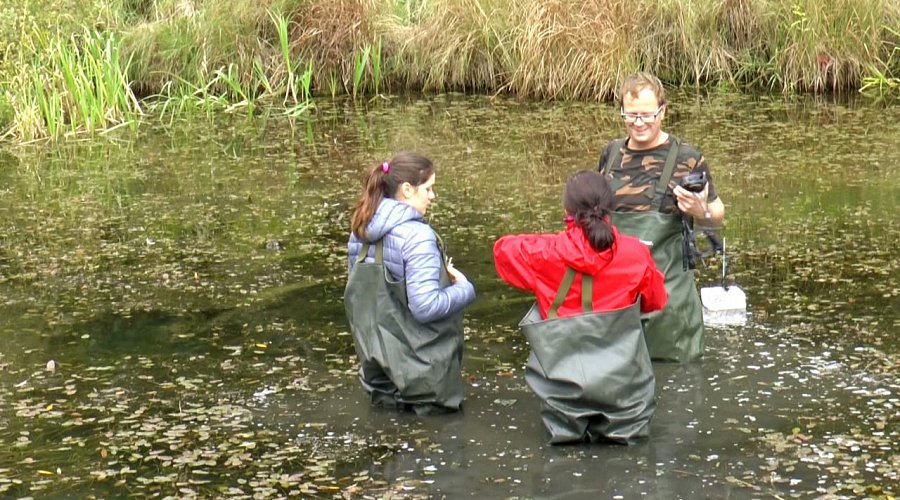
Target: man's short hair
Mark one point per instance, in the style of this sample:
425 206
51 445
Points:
634 84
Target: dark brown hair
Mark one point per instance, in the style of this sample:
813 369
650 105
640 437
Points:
589 200
403 167
634 84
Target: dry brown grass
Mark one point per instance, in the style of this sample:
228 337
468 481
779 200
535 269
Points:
450 45
550 49
332 33
572 49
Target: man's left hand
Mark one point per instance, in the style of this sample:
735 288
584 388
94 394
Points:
693 204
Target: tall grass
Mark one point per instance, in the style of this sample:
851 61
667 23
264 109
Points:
73 85
825 45
690 41
188 56
879 81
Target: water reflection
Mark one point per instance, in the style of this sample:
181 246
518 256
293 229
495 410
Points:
195 360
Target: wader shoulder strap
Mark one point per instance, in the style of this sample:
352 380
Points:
662 185
615 155
587 290
441 246
379 252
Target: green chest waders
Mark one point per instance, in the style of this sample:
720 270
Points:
403 363
592 372
676 332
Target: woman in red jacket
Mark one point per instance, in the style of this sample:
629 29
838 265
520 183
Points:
620 265
589 362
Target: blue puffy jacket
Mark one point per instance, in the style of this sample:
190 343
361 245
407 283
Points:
411 253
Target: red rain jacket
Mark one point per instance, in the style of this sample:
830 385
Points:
537 263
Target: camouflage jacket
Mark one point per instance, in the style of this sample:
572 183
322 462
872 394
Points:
636 177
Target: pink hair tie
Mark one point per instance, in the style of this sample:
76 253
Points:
385 167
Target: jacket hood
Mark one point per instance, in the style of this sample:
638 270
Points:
390 214
577 252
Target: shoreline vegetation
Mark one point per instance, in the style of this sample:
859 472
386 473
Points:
73 67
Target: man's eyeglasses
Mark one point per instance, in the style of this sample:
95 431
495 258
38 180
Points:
630 118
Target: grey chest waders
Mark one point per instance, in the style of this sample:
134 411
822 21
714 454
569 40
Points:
592 372
403 363
676 332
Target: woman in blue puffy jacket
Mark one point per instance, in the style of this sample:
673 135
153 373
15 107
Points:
404 299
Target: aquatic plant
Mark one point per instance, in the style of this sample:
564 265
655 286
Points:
235 92
362 61
297 87
332 84
376 66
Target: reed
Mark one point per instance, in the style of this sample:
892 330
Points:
236 94
306 104
261 76
289 68
281 28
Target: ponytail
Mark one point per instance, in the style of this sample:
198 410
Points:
589 200
372 195
383 181
597 230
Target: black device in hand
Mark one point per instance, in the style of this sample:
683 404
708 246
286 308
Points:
694 181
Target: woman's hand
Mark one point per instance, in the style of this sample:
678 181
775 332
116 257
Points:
454 273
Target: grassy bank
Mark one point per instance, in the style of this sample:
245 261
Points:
71 66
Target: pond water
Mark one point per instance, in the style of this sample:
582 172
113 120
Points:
172 324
